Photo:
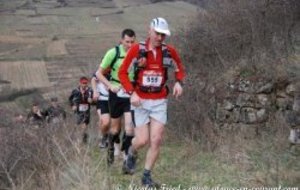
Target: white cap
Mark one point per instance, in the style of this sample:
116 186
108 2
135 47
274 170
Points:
160 25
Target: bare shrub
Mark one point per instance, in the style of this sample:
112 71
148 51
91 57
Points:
49 157
252 35
228 31
31 157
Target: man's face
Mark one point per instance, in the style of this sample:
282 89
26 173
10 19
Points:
54 103
127 42
156 38
83 86
35 109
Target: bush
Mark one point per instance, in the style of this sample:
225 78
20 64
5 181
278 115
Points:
252 35
32 157
227 31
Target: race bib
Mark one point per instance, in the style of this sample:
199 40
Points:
122 94
152 78
83 107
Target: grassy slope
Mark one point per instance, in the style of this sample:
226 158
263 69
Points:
82 33
256 162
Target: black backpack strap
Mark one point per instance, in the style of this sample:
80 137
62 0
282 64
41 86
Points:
117 56
142 50
115 80
142 53
112 63
166 60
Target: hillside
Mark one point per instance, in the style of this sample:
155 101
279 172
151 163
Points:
229 130
48 45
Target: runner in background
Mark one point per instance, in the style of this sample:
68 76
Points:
80 100
100 95
119 103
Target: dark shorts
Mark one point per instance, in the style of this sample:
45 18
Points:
83 117
103 106
118 106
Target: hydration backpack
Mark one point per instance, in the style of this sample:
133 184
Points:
167 62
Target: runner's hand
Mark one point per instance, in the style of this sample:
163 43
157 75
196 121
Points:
95 96
177 90
135 100
114 89
90 100
39 113
74 108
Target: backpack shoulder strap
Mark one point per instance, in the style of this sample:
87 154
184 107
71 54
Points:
165 50
142 50
142 43
142 53
117 56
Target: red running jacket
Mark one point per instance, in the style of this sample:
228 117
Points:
152 63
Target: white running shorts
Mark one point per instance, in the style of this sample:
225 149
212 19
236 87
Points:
156 109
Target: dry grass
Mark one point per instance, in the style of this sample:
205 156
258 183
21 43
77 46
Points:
229 34
52 158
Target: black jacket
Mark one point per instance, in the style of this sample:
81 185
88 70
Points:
77 97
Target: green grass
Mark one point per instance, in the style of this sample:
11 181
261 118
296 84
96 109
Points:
262 161
181 164
187 165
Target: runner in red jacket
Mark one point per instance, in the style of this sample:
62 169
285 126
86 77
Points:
150 61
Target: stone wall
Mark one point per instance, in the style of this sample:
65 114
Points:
250 101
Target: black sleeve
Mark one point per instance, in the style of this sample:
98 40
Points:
71 97
46 112
92 92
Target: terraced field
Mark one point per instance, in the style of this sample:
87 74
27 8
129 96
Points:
25 74
49 44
